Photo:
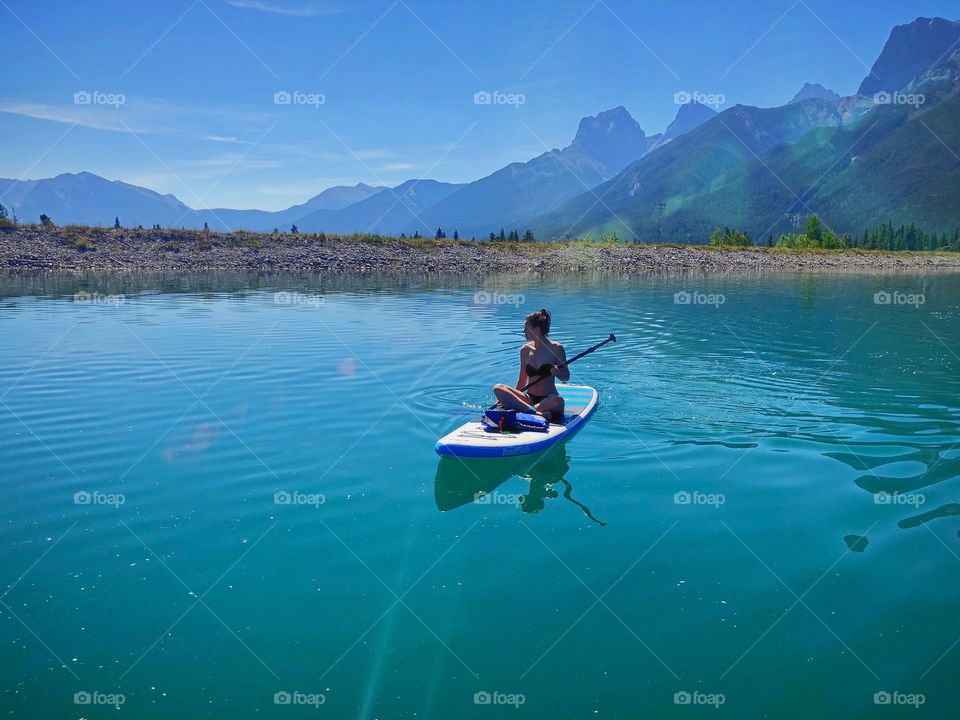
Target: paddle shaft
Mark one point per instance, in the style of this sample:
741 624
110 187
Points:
572 360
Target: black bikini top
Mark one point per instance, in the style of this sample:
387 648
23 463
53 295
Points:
543 371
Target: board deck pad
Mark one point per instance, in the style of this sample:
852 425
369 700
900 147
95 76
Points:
472 439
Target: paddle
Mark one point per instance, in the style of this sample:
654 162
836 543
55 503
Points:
612 338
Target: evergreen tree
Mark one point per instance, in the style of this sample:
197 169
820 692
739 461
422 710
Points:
493 236
206 228
813 229
116 223
440 234
502 234
294 230
528 236
3 212
456 235
45 221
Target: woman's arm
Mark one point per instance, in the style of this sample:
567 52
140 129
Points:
563 373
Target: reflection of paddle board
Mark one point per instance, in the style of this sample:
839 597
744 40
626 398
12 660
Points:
473 440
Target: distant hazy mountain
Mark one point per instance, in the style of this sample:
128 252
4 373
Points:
910 50
331 199
604 145
389 211
814 91
89 199
612 138
690 116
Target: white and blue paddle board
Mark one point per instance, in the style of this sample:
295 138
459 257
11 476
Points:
473 440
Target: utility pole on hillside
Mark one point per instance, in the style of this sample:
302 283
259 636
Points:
660 207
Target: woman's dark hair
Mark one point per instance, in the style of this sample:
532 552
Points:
540 319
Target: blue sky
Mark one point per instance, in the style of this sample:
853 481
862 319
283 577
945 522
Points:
198 80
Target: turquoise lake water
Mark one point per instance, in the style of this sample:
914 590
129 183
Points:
216 499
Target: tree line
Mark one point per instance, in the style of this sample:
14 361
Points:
816 235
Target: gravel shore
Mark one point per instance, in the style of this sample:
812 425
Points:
95 249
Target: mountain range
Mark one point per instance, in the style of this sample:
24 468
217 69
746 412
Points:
875 157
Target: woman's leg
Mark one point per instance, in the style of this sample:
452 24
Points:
551 407
511 398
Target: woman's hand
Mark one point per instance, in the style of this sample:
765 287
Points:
556 370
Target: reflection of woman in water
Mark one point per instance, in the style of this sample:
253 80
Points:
459 482
543 475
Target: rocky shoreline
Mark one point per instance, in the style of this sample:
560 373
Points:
34 249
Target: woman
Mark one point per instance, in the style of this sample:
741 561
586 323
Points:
540 359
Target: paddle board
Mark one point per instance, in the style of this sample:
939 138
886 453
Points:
473 440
